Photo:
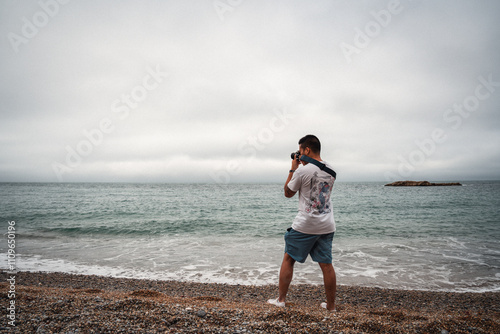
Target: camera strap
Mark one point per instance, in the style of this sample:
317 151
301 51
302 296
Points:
321 165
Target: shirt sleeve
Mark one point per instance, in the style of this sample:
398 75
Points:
295 182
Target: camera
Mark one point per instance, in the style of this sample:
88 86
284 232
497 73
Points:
295 155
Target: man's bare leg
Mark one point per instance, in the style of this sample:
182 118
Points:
330 280
286 274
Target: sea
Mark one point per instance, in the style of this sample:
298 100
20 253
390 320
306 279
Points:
417 238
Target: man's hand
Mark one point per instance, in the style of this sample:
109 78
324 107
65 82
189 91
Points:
295 164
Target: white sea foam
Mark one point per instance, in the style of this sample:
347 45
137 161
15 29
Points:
261 273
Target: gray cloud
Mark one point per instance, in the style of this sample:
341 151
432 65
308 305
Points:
83 83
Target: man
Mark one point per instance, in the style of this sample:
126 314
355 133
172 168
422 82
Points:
314 226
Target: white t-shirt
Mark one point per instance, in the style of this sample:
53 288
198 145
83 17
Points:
315 186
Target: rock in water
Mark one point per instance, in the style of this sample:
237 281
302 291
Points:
419 184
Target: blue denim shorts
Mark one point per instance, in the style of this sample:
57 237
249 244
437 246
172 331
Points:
299 245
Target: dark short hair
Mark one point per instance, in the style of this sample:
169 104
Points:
312 142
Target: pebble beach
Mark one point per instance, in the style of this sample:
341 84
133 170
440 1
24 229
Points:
68 303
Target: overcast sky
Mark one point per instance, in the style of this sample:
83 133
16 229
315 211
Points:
221 91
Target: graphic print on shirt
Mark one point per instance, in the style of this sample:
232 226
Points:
321 188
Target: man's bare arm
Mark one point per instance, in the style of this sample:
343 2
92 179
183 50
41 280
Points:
288 192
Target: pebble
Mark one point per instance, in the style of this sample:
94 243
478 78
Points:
68 304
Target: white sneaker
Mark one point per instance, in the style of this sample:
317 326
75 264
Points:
323 305
276 302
